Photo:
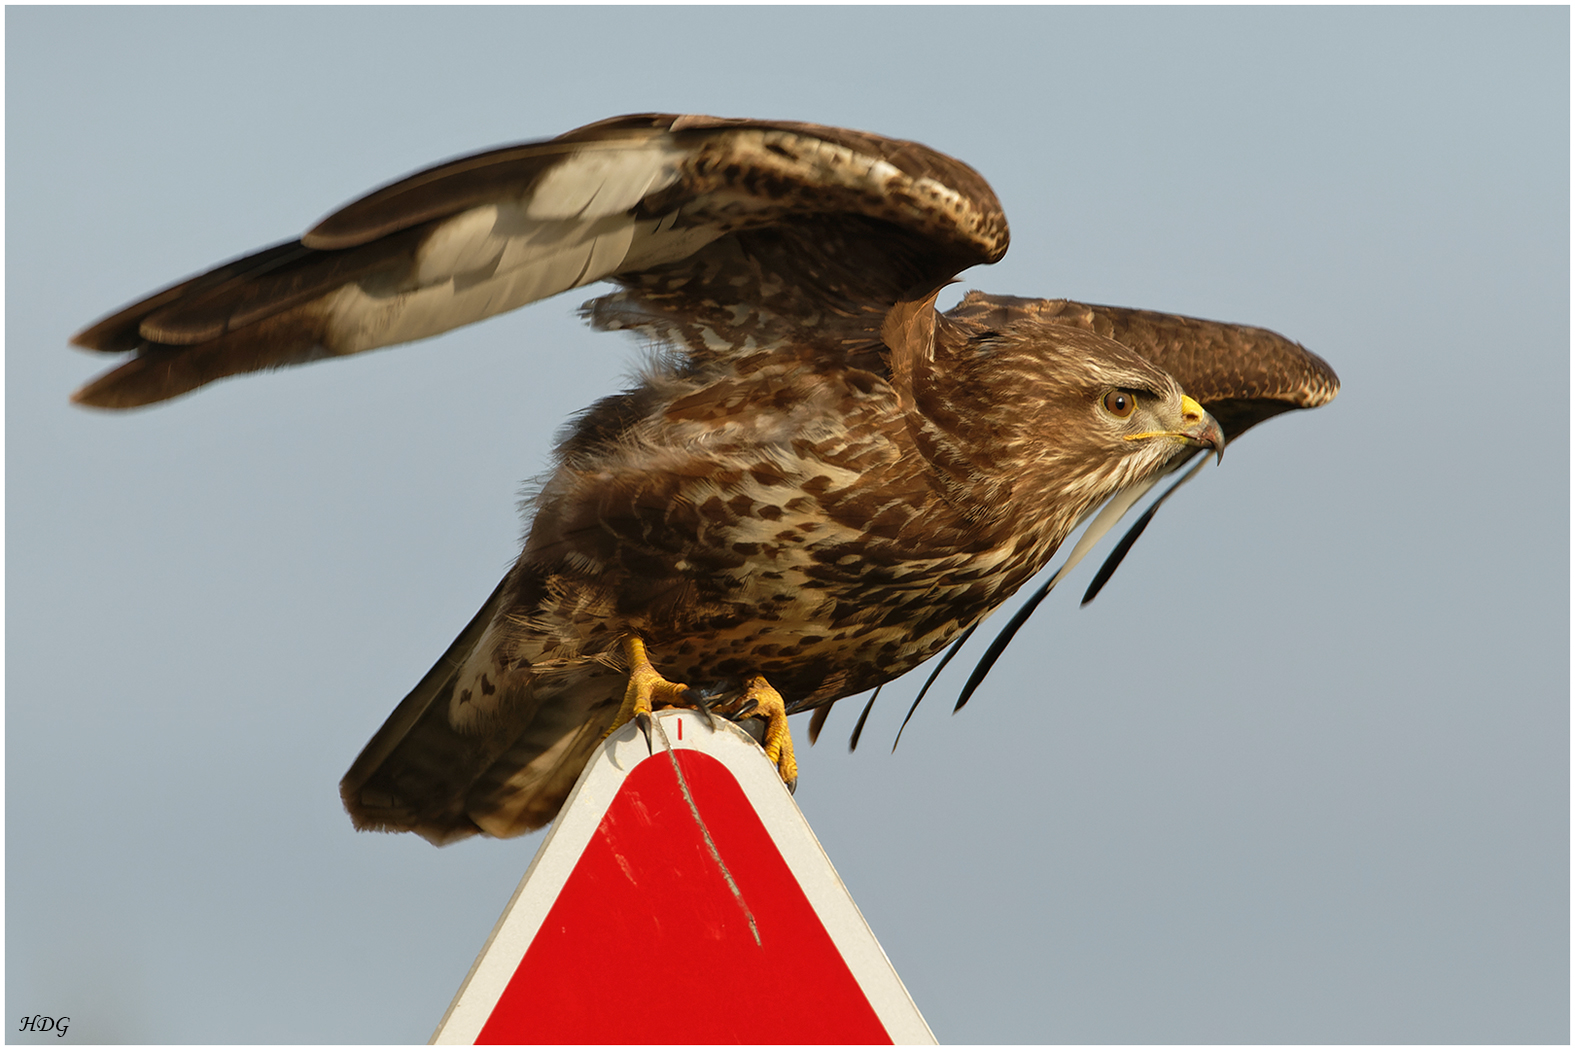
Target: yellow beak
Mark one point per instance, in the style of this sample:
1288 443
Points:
1197 428
1200 428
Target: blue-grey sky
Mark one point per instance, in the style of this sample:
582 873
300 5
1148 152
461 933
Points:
1300 774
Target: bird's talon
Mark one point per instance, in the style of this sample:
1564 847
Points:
647 690
762 701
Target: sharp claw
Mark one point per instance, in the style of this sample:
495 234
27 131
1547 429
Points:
647 688
792 785
704 707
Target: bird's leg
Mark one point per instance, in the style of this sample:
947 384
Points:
647 688
760 700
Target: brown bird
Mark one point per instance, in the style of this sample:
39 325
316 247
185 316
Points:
822 483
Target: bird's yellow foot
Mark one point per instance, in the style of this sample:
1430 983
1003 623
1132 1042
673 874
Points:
760 700
646 689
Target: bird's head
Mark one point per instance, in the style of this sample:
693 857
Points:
1071 417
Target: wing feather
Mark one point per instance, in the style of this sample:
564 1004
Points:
636 199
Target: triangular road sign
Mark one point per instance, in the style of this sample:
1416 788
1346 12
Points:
639 923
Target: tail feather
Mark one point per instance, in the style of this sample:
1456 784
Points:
417 749
502 774
525 786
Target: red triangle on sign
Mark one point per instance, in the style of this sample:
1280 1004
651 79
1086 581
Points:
697 909
648 911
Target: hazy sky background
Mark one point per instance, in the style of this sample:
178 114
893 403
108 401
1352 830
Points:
1300 774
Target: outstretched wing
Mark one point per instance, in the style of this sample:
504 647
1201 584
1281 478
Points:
842 223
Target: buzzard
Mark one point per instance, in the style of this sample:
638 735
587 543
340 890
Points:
821 484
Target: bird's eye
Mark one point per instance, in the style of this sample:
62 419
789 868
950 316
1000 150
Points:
1120 404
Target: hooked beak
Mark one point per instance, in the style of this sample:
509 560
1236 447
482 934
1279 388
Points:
1200 428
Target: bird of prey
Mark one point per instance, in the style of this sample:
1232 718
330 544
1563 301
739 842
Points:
821 484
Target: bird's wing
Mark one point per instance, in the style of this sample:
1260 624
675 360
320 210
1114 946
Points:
1241 374
719 224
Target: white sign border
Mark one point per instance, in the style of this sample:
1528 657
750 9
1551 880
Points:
582 814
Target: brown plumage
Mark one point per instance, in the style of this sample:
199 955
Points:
823 481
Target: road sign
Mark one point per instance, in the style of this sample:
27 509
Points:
692 908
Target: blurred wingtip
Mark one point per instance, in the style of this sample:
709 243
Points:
817 721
